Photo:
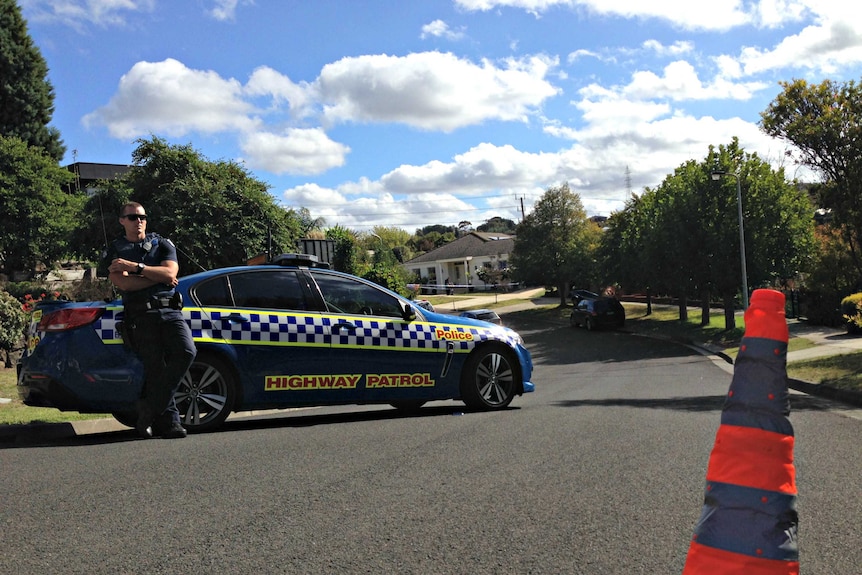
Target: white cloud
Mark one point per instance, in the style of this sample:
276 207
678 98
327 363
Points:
715 15
825 48
433 90
439 29
681 82
81 13
297 151
224 9
677 48
300 98
167 97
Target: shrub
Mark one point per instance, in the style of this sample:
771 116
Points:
13 322
851 311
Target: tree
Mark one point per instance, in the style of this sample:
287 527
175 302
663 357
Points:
498 225
556 242
344 256
13 322
37 215
683 237
824 123
26 96
216 212
308 224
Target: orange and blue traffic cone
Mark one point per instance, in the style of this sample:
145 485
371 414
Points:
749 521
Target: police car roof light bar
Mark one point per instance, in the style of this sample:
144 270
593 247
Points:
300 260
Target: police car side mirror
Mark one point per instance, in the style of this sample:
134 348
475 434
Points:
407 314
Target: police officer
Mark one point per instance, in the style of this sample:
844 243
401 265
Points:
144 268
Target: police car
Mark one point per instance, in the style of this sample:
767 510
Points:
286 334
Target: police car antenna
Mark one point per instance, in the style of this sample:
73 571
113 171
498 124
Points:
191 259
102 217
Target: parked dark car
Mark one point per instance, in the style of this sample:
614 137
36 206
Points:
488 315
593 313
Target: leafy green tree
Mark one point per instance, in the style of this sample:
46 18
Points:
682 238
499 225
36 216
215 212
824 124
344 258
307 223
556 242
13 321
26 96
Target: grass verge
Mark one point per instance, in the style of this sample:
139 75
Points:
15 412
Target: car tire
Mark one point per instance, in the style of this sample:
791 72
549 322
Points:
590 324
408 405
206 394
490 377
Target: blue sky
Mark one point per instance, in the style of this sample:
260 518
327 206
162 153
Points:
408 113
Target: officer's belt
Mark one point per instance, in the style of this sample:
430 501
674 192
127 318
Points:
155 303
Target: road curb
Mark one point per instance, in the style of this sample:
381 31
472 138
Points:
817 389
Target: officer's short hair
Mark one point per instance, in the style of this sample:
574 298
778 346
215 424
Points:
133 205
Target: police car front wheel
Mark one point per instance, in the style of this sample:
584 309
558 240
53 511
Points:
489 378
206 394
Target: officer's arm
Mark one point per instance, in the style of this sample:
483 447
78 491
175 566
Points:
124 275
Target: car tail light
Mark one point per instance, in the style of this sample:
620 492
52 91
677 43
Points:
70 318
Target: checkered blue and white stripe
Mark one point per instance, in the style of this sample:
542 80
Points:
286 329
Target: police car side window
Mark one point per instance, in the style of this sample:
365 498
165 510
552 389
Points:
212 293
345 295
279 289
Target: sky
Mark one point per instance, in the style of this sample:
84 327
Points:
409 113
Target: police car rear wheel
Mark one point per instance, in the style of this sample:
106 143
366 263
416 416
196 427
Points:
206 394
489 378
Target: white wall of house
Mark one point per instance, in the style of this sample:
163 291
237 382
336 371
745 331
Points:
461 272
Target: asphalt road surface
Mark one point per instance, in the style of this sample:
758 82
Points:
600 471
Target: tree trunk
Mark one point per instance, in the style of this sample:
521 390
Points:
704 309
562 288
729 315
683 307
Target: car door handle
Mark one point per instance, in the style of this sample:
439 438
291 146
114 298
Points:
345 325
235 318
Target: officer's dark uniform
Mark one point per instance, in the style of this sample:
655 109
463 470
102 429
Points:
159 335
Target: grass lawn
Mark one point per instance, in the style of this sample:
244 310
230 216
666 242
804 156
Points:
15 412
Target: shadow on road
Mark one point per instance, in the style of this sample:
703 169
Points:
293 418
698 404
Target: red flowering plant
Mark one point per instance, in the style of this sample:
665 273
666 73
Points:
30 302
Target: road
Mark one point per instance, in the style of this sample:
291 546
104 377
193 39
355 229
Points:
601 471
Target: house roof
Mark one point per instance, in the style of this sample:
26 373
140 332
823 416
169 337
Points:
473 244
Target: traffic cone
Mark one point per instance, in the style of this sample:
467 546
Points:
748 523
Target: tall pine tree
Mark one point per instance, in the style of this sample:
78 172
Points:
26 95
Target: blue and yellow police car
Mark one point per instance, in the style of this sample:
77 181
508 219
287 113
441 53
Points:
290 333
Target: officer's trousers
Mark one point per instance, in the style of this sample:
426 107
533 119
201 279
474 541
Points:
164 344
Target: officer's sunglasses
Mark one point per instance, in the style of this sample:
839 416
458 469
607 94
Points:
133 217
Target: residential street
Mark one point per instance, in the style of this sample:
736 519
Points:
601 470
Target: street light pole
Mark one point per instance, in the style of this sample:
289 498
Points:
716 175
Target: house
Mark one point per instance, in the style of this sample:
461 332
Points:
459 262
